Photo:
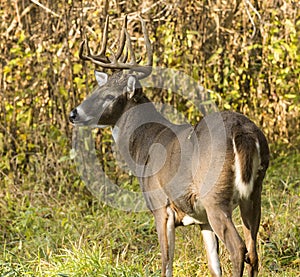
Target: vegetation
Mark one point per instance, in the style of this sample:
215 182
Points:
246 53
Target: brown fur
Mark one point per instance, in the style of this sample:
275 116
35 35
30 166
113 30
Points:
246 149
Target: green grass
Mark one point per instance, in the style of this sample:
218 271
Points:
61 230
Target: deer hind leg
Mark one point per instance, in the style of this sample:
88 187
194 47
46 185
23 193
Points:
250 213
212 249
165 226
221 223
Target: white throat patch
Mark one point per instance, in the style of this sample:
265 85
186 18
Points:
115 133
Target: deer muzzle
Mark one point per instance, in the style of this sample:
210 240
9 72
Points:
73 115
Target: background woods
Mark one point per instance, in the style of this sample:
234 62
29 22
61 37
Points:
245 53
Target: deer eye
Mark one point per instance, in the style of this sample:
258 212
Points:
109 97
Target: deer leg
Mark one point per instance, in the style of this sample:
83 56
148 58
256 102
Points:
171 240
211 246
221 223
165 226
250 213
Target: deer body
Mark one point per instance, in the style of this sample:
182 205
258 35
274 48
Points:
188 174
173 191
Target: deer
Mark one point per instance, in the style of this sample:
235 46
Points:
188 174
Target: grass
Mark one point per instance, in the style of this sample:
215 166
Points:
58 229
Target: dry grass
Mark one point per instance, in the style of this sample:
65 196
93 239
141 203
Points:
68 233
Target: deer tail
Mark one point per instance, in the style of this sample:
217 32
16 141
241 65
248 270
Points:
246 160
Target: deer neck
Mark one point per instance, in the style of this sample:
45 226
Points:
137 129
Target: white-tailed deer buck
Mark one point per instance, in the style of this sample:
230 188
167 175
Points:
188 174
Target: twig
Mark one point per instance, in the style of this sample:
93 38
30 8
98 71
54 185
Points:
9 134
45 8
248 3
16 19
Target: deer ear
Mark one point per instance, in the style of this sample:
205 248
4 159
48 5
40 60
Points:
101 78
131 86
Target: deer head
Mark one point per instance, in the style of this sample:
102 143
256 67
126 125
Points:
115 92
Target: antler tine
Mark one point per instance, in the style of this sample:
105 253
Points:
81 55
81 50
130 49
147 42
133 65
147 69
104 38
101 56
125 57
122 39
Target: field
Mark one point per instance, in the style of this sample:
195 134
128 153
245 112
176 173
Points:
69 233
244 53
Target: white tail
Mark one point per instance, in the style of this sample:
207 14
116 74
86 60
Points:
246 167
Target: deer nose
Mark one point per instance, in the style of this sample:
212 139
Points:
73 115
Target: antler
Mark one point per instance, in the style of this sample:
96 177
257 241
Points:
114 63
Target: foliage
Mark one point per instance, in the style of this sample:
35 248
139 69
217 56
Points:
48 233
247 56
